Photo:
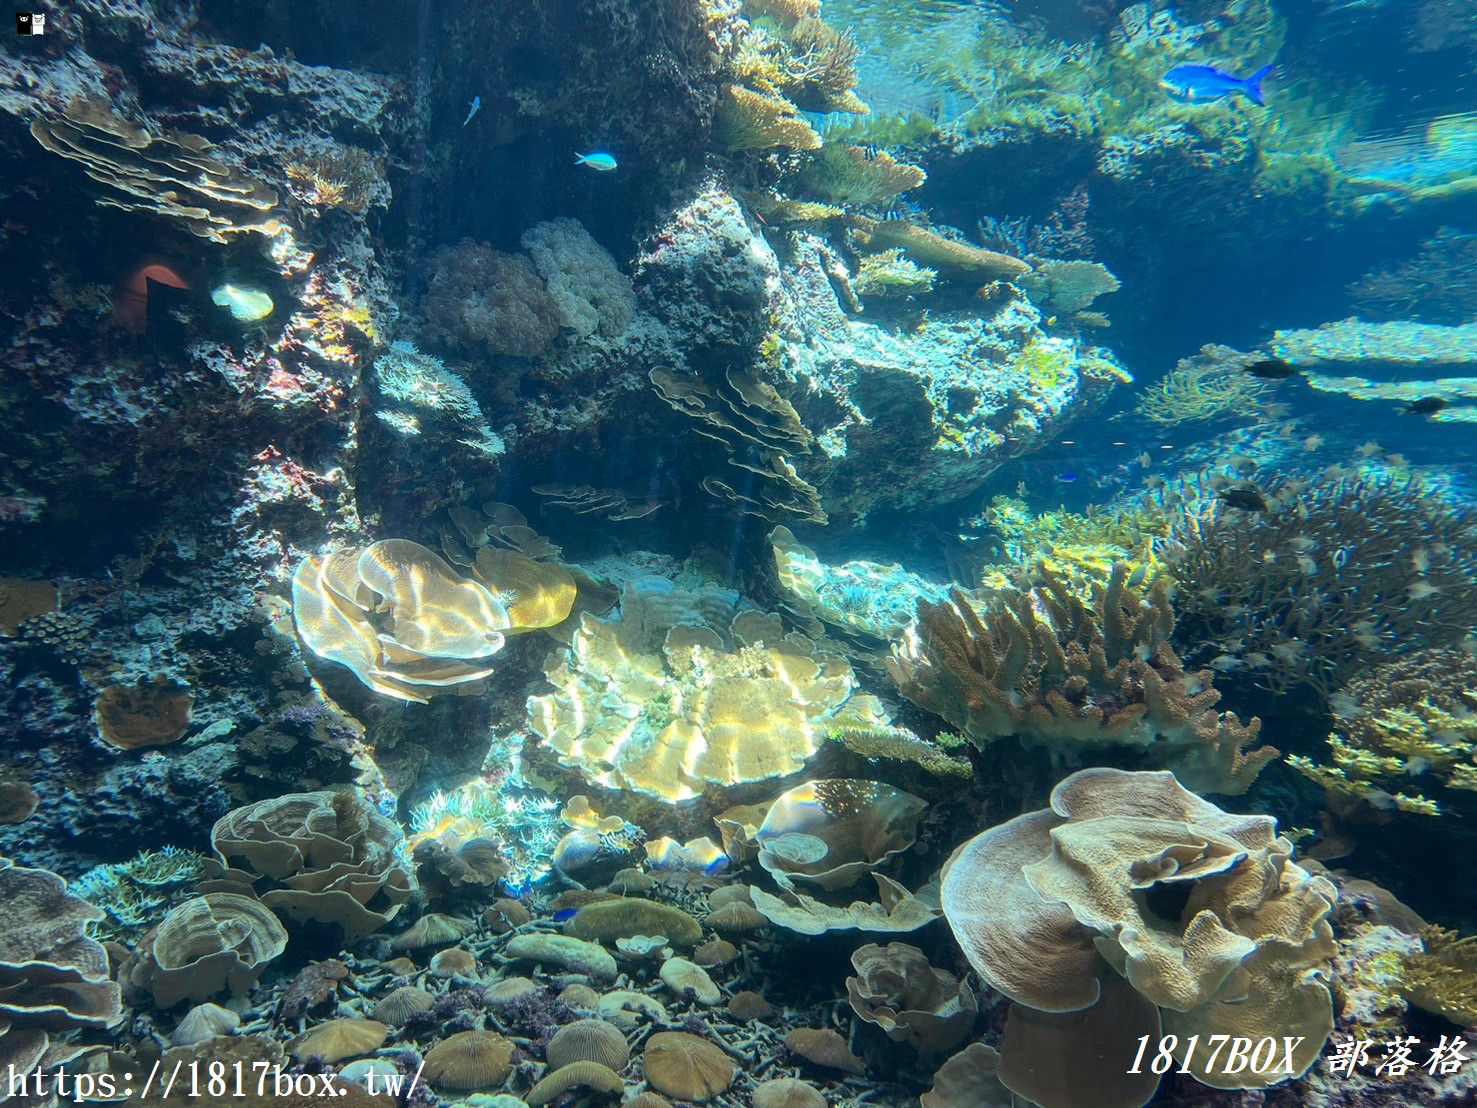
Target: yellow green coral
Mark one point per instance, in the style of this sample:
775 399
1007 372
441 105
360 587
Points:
1442 979
749 120
889 274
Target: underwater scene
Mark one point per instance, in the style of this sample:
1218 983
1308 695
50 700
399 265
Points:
751 553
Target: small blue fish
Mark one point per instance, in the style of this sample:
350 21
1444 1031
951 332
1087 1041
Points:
568 913
1203 83
599 161
1066 478
476 104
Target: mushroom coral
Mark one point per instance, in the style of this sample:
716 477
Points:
1130 878
1075 677
53 978
683 692
326 856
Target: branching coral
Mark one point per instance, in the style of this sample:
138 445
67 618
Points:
481 299
592 294
889 274
1442 979
1079 548
325 856
749 120
1129 875
858 175
53 978
417 389
1211 385
174 176
823 74
519 823
1334 576
134 895
1408 724
669 701
1075 678
1438 285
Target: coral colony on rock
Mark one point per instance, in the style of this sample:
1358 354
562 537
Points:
763 553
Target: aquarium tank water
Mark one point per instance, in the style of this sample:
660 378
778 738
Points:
748 553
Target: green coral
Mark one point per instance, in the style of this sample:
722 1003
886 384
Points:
137 893
1047 364
893 744
890 274
1079 548
1443 978
1212 384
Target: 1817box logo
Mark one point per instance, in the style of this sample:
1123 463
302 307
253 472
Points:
30 23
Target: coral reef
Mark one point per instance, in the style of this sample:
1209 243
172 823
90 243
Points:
592 294
1053 905
481 299
1076 678
1210 385
912 1001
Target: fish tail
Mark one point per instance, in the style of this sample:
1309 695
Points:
1254 84
580 159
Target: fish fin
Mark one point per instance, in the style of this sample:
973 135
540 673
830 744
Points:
1254 84
580 159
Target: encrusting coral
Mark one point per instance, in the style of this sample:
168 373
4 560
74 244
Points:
1130 876
1076 678
53 978
668 700
1406 727
325 856
145 715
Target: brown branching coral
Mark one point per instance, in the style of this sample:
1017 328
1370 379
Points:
325 856
1333 577
1407 728
749 120
1130 878
53 978
1075 677
482 299
174 176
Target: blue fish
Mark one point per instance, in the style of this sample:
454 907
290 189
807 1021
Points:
600 161
1203 83
1066 478
476 103
568 913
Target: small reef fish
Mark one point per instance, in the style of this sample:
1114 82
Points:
1272 369
1427 405
600 161
476 104
1204 83
1246 499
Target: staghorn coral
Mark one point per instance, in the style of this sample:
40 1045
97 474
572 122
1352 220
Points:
325 856
749 120
913 1002
593 295
1407 727
849 174
1210 385
1334 576
399 618
134 895
479 299
1129 876
1075 677
53 978
1438 285
174 176
339 176
203 946
668 701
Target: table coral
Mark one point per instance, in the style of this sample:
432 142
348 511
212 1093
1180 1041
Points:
1074 677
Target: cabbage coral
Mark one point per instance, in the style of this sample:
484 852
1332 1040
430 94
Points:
1076 678
669 700
1129 877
